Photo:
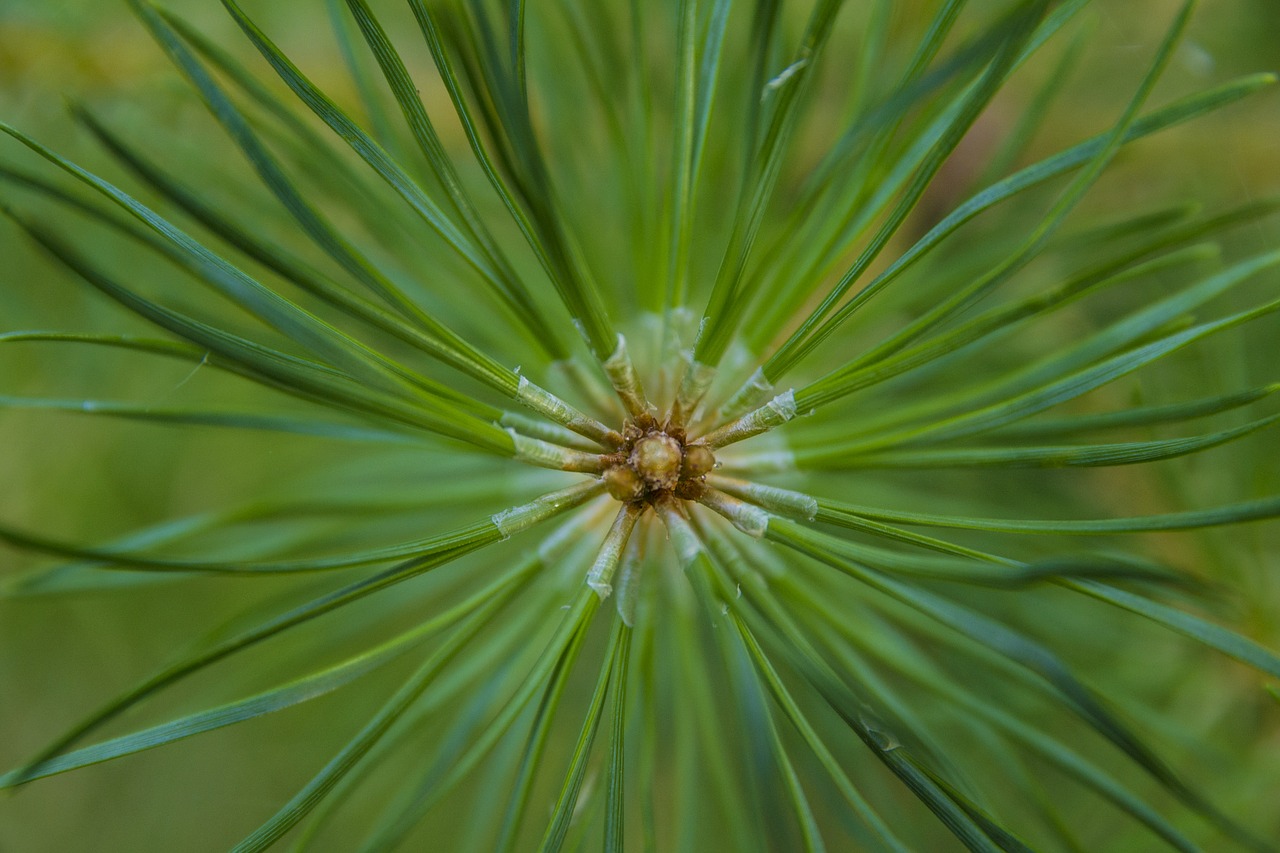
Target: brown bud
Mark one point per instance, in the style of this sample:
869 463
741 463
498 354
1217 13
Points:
623 483
657 458
698 461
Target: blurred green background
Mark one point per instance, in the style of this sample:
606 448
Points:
90 479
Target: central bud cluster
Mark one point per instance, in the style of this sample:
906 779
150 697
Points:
656 461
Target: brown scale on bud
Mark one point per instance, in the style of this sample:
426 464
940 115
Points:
653 462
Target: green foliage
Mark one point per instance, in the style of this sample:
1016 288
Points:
982 560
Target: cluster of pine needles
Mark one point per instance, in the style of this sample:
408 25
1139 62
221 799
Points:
709 470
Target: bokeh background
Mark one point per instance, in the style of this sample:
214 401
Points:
92 479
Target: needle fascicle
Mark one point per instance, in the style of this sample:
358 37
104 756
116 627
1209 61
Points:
684 538
626 382
544 454
545 403
772 498
693 387
774 413
748 518
600 578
